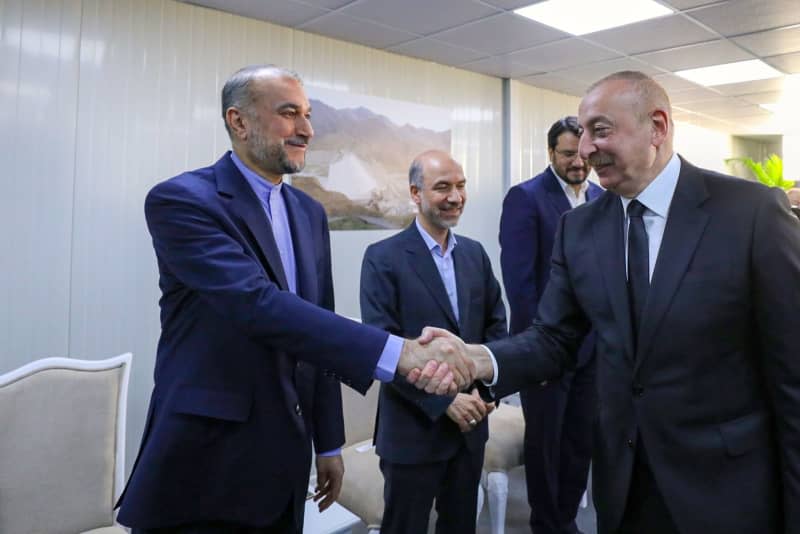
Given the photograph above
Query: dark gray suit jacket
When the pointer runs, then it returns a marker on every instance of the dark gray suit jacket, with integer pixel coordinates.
(402, 292)
(712, 387)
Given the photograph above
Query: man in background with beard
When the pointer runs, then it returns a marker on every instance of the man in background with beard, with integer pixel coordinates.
(250, 356)
(558, 413)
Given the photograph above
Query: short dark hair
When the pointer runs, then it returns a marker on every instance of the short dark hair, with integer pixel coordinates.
(566, 124)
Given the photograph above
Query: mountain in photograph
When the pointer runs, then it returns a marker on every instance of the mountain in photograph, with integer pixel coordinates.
(357, 166)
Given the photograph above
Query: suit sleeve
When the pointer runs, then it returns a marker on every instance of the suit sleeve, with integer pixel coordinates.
(328, 418)
(548, 347)
(192, 244)
(518, 257)
(776, 268)
(380, 307)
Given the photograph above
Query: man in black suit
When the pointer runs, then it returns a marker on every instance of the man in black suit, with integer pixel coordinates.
(431, 447)
(698, 375)
(558, 413)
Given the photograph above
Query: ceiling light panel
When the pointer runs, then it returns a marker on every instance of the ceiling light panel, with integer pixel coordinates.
(736, 72)
(580, 17)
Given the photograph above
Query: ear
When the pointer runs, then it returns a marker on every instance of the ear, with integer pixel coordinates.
(551, 154)
(237, 123)
(661, 125)
(414, 190)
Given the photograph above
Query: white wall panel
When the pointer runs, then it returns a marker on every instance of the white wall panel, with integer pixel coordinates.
(38, 91)
(533, 111)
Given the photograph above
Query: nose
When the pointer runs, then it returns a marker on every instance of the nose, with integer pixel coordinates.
(585, 146)
(455, 196)
(304, 127)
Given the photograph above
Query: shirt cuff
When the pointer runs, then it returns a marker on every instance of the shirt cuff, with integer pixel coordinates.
(387, 363)
(334, 452)
(494, 368)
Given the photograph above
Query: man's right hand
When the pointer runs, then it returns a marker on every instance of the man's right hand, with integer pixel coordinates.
(467, 410)
(440, 366)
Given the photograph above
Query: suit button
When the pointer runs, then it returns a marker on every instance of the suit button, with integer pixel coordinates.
(638, 390)
(298, 410)
(630, 443)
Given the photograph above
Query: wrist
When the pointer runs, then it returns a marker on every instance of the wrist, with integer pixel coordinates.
(483, 363)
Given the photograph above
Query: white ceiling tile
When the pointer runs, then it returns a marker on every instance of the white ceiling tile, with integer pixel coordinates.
(788, 63)
(699, 55)
(328, 4)
(561, 55)
(363, 32)
(511, 4)
(501, 34)
(745, 16)
(650, 35)
(592, 72)
(692, 95)
(767, 97)
(500, 66)
(725, 108)
(420, 16)
(433, 50)
(687, 4)
(283, 12)
(671, 83)
(556, 83)
(746, 88)
(772, 43)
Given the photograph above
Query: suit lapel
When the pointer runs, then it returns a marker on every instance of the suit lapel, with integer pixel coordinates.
(610, 253)
(245, 205)
(685, 225)
(302, 242)
(423, 265)
(555, 194)
(461, 266)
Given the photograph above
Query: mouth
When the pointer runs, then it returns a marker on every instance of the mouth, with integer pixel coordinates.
(297, 143)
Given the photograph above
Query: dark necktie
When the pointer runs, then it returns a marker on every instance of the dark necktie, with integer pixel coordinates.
(638, 263)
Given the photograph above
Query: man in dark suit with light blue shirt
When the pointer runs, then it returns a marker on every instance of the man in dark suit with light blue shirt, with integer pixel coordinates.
(250, 351)
(558, 413)
(431, 447)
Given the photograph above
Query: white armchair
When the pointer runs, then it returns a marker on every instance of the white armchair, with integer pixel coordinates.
(62, 454)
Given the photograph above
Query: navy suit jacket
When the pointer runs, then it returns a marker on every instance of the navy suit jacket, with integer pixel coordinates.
(712, 386)
(234, 404)
(402, 292)
(531, 211)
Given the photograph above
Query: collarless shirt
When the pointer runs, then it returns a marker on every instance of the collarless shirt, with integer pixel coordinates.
(575, 199)
(656, 198)
(271, 199)
(444, 263)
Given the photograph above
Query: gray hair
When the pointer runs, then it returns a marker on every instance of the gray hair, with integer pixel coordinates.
(236, 91)
(415, 174)
(649, 90)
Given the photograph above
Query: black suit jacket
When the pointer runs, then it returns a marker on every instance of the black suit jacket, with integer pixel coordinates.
(713, 386)
(402, 292)
(234, 405)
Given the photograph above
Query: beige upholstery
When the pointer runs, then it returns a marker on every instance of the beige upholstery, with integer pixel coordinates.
(59, 453)
(106, 530)
(362, 489)
(504, 450)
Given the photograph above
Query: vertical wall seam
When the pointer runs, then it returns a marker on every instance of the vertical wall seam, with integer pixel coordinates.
(506, 133)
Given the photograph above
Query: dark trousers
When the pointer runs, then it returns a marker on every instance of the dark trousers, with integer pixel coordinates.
(558, 448)
(645, 510)
(410, 489)
(285, 524)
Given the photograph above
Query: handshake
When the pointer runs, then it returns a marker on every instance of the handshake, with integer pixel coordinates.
(440, 362)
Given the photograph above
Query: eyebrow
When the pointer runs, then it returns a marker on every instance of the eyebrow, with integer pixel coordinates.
(290, 105)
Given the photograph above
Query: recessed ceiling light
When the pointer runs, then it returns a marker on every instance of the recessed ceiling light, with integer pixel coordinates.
(580, 17)
(739, 71)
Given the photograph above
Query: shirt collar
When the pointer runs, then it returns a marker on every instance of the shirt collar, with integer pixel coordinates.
(657, 196)
(568, 187)
(431, 243)
(261, 187)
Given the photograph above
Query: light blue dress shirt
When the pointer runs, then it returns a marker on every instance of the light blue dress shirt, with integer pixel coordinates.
(444, 263)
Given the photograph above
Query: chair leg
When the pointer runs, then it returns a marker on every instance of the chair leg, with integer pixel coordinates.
(585, 500)
(497, 489)
(480, 501)
(374, 531)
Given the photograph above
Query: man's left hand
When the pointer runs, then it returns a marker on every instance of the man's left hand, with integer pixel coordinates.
(330, 472)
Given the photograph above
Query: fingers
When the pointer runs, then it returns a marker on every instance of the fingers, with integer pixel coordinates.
(438, 378)
(429, 333)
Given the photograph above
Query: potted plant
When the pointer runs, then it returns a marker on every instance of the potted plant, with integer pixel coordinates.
(769, 172)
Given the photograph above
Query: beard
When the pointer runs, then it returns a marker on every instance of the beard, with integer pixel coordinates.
(575, 181)
(272, 157)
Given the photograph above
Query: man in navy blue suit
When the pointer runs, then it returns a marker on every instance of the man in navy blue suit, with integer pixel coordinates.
(558, 413)
(250, 354)
(431, 447)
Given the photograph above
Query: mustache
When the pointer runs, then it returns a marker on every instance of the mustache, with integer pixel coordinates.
(298, 139)
(598, 159)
